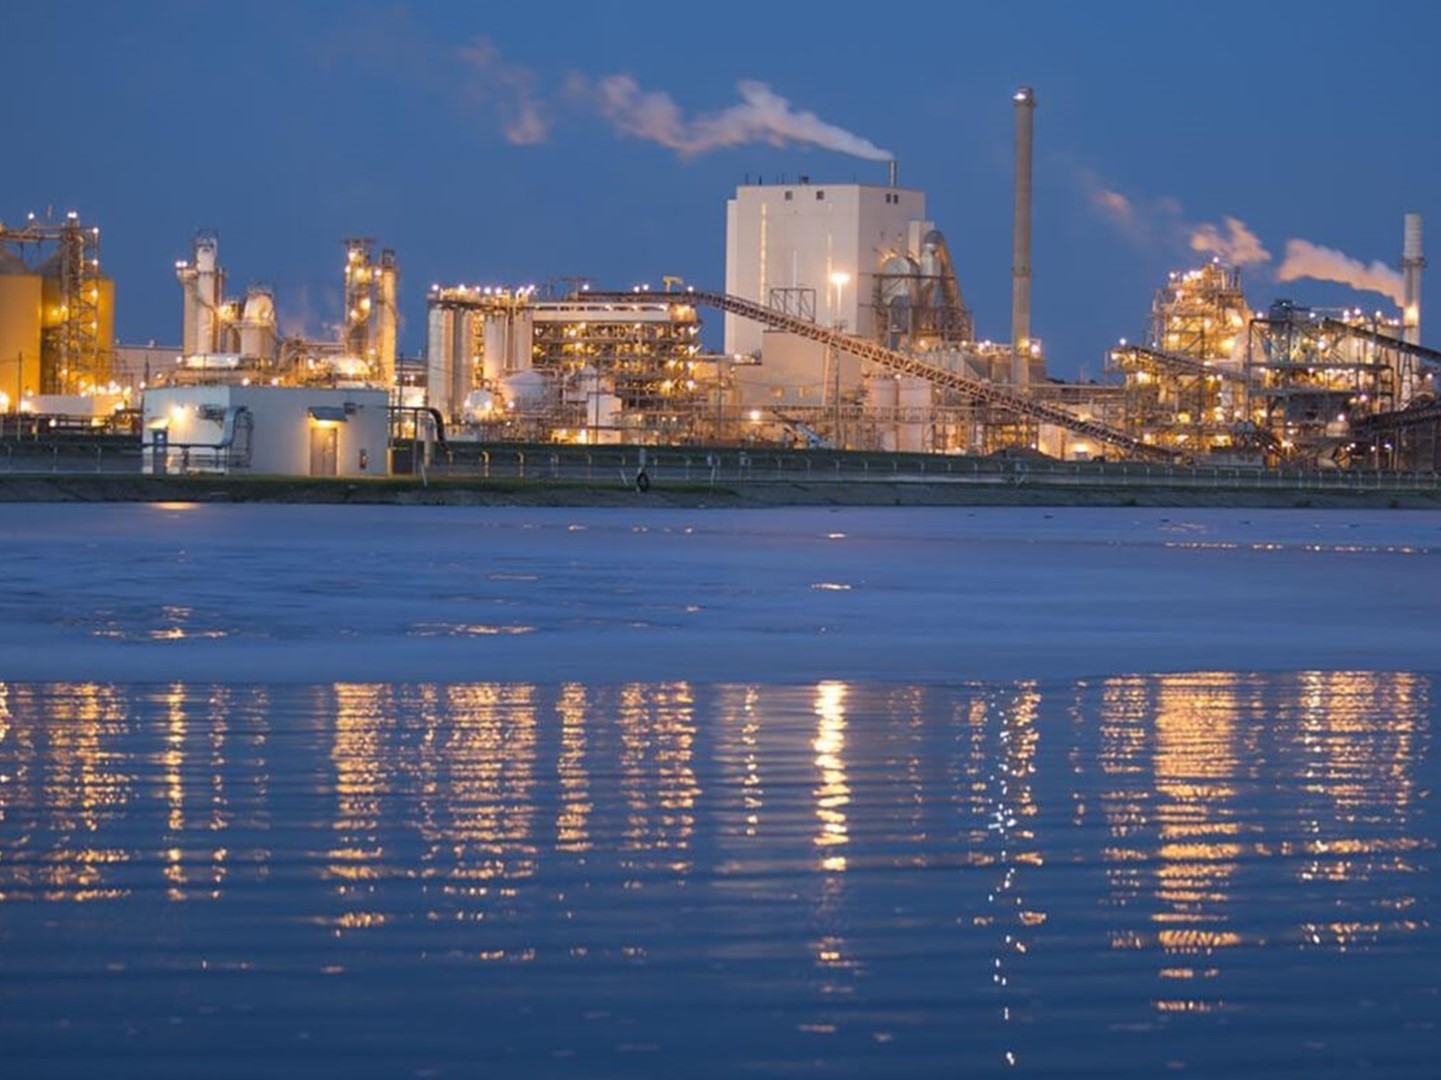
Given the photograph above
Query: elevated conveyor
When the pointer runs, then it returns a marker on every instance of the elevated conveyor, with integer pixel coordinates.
(1429, 358)
(1184, 365)
(901, 363)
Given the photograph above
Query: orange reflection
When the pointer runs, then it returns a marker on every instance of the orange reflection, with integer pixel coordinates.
(572, 823)
(833, 794)
(1338, 748)
(66, 772)
(657, 774)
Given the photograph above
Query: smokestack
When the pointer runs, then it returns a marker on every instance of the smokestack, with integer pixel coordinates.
(1025, 102)
(893, 173)
(1412, 263)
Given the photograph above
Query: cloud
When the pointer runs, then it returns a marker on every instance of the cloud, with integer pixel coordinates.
(1236, 246)
(1307, 260)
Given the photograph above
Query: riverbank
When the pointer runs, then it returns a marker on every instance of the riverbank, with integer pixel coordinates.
(411, 491)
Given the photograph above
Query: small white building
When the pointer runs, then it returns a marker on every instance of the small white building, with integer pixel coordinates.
(282, 431)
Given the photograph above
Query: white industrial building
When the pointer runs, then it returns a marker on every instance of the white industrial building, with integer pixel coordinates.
(860, 258)
(270, 430)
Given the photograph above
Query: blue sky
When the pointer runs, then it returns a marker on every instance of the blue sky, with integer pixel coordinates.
(288, 126)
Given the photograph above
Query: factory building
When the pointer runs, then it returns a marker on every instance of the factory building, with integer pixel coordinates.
(510, 365)
(283, 431)
(240, 396)
(57, 315)
(854, 257)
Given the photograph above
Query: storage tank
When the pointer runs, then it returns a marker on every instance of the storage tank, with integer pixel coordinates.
(257, 324)
(881, 403)
(913, 403)
(527, 391)
(20, 299)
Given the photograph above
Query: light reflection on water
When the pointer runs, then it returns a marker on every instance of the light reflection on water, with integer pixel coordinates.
(834, 878)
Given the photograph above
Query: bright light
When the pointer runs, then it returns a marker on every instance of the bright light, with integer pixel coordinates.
(840, 279)
(177, 413)
(755, 416)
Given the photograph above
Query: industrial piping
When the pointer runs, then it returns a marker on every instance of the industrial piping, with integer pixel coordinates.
(1025, 102)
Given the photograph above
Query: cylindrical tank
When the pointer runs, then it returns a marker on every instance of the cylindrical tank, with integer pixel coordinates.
(257, 325)
(527, 391)
(387, 317)
(20, 299)
(881, 402)
(496, 343)
(480, 405)
(522, 341)
(913, 403)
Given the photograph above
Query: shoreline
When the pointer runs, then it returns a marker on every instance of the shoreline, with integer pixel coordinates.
(756, 494)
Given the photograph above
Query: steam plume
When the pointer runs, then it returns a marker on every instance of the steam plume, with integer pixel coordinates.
(524, 117)
(761, 116)
(1307, 260)
(1236, 246)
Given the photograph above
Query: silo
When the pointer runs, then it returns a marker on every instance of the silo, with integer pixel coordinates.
(913, 404)
(257, 324)
(20, 299)
(881, 397)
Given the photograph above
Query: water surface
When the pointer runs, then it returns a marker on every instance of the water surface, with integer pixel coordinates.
(1221, 873)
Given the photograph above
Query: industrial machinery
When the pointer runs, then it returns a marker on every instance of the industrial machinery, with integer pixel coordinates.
(573, 369)
(57, 310)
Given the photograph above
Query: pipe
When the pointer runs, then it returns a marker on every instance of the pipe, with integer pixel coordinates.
(1412, 263)
(892, 173)
(1025, 102)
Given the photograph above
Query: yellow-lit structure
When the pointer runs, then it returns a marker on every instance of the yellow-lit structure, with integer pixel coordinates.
(1184, 386)
(57, 310)
(1290, 385)
(571, 370)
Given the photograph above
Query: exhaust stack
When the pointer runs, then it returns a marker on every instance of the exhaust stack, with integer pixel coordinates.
(1412, 263)
(892, 173)
(1025, 102)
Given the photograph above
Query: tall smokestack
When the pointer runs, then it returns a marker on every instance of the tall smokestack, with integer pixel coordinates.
(892, 175)
(1025, 102)
(1412, 263)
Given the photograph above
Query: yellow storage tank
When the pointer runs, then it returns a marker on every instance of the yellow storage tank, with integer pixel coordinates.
(20, 301)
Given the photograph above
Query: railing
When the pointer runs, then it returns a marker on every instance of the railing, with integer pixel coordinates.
(68, 457)
(680, 467)
(665, 466)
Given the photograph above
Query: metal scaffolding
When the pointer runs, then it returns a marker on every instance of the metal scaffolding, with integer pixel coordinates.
(74, 352)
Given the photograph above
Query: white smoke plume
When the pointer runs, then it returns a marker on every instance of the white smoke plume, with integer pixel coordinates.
(761, 116)
(1236, 246)
(1307, 260)
(524, 117)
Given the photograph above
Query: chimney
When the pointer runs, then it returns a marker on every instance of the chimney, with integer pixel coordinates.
(892, 176)
(1412, 263)
(1025, 102)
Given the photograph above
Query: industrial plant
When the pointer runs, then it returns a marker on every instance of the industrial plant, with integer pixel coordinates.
(845, 327)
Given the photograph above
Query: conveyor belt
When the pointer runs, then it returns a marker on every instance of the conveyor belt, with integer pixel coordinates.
(902, 363)
(1188, 364)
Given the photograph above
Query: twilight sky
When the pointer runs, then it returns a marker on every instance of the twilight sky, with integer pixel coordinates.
(504, 143)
